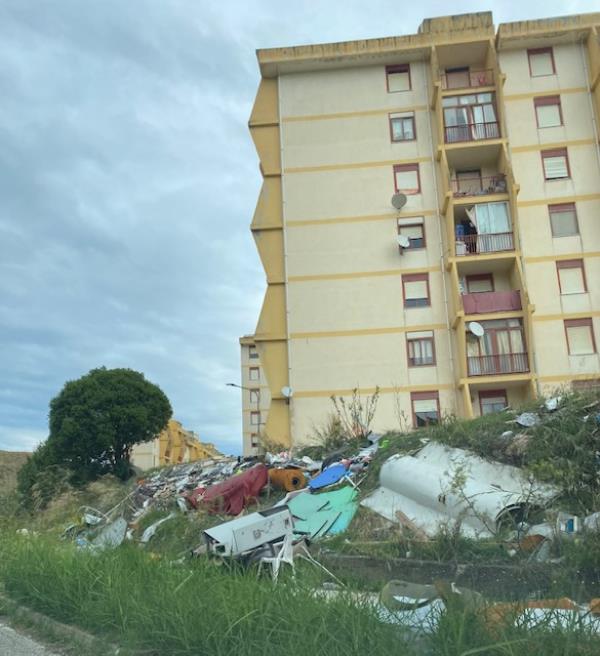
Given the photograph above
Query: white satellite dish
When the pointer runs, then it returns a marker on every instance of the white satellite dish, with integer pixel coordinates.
(399, 200)
(403, 241)
(476, 329)
(287, 392)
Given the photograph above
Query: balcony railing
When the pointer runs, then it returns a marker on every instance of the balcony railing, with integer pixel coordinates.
(488, 243)
(489, 302)
(467, 79)
(478, 186)
(492, 365)
(471, 132)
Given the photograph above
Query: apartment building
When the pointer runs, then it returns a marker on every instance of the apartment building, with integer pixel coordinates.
(483, 288)
(256, 397)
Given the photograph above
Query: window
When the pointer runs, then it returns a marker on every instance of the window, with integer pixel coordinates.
(469, 183)
(556, 164)
(415, 288)
(580, 336)
(398, 78)
(481, 282)
(571, 276)
(425, 408)
(415, 233)
(492, 401)
(458, 78)
(255, 418)
(254, 373)
(402, 126)
(541, 62)
(254, 440)
(407, 179)
(563, 220)
(501, 350)
(548, 112)
(252, 352)
(420, 349)
(470, 117)
(255, 396)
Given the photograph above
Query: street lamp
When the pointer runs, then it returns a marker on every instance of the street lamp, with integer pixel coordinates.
(249, 389)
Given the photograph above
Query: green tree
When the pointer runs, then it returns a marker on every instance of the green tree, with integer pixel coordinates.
(95, 421)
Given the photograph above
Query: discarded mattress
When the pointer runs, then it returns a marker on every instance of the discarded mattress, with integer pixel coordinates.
(232, 495)
(318, 515)
(417, 491)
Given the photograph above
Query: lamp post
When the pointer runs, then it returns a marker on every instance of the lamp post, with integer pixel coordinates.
(250, 390)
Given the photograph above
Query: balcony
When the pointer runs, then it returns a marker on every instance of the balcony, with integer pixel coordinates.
(478, 186)
(471, 132)
(497, 364)
(486, 243)
(489, 302)
(466, 79)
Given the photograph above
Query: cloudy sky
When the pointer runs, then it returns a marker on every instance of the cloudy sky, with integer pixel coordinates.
(127, 183)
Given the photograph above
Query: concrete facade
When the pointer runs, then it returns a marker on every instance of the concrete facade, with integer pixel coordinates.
(493, 138)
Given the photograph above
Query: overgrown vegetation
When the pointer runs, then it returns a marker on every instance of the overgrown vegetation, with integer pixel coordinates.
(93, 424)
(150, 604)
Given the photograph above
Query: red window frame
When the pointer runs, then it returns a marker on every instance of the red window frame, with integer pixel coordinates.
(416, 277)
(424, 396)
(250, 370)
(255, 413)
(414, 225)
(402, 118)
(577, 323)
(410, 360)
(397, 68)
(479, 276)
(541, 51)
(545, 101)
(490, 394)
(563, 207)
(556, 152)
(399, 168)
(571, 264)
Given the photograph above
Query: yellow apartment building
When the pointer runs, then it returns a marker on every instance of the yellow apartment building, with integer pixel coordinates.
(174, 445)
(429, 220)
(256, 397)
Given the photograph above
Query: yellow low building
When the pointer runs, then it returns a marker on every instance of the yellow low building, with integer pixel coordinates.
(174, 445)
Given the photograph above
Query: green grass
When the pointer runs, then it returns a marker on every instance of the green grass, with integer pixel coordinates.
(133, 598)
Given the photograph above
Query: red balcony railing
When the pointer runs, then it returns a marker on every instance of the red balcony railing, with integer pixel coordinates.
(467, 79)
(492, 365)
(488, 302)
(471, 132)
(478, 186)
(488, 243)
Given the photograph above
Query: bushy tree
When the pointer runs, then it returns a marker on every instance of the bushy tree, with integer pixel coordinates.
(95, 421)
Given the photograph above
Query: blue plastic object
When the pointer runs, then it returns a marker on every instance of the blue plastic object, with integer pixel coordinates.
(330, 476)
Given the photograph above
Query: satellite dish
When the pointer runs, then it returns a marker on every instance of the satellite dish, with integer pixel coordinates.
(403, 241)
(399, 200)
(287, 392)
(476, 329)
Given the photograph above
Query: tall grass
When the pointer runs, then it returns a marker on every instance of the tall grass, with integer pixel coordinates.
(144, 603)
(148, 604)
